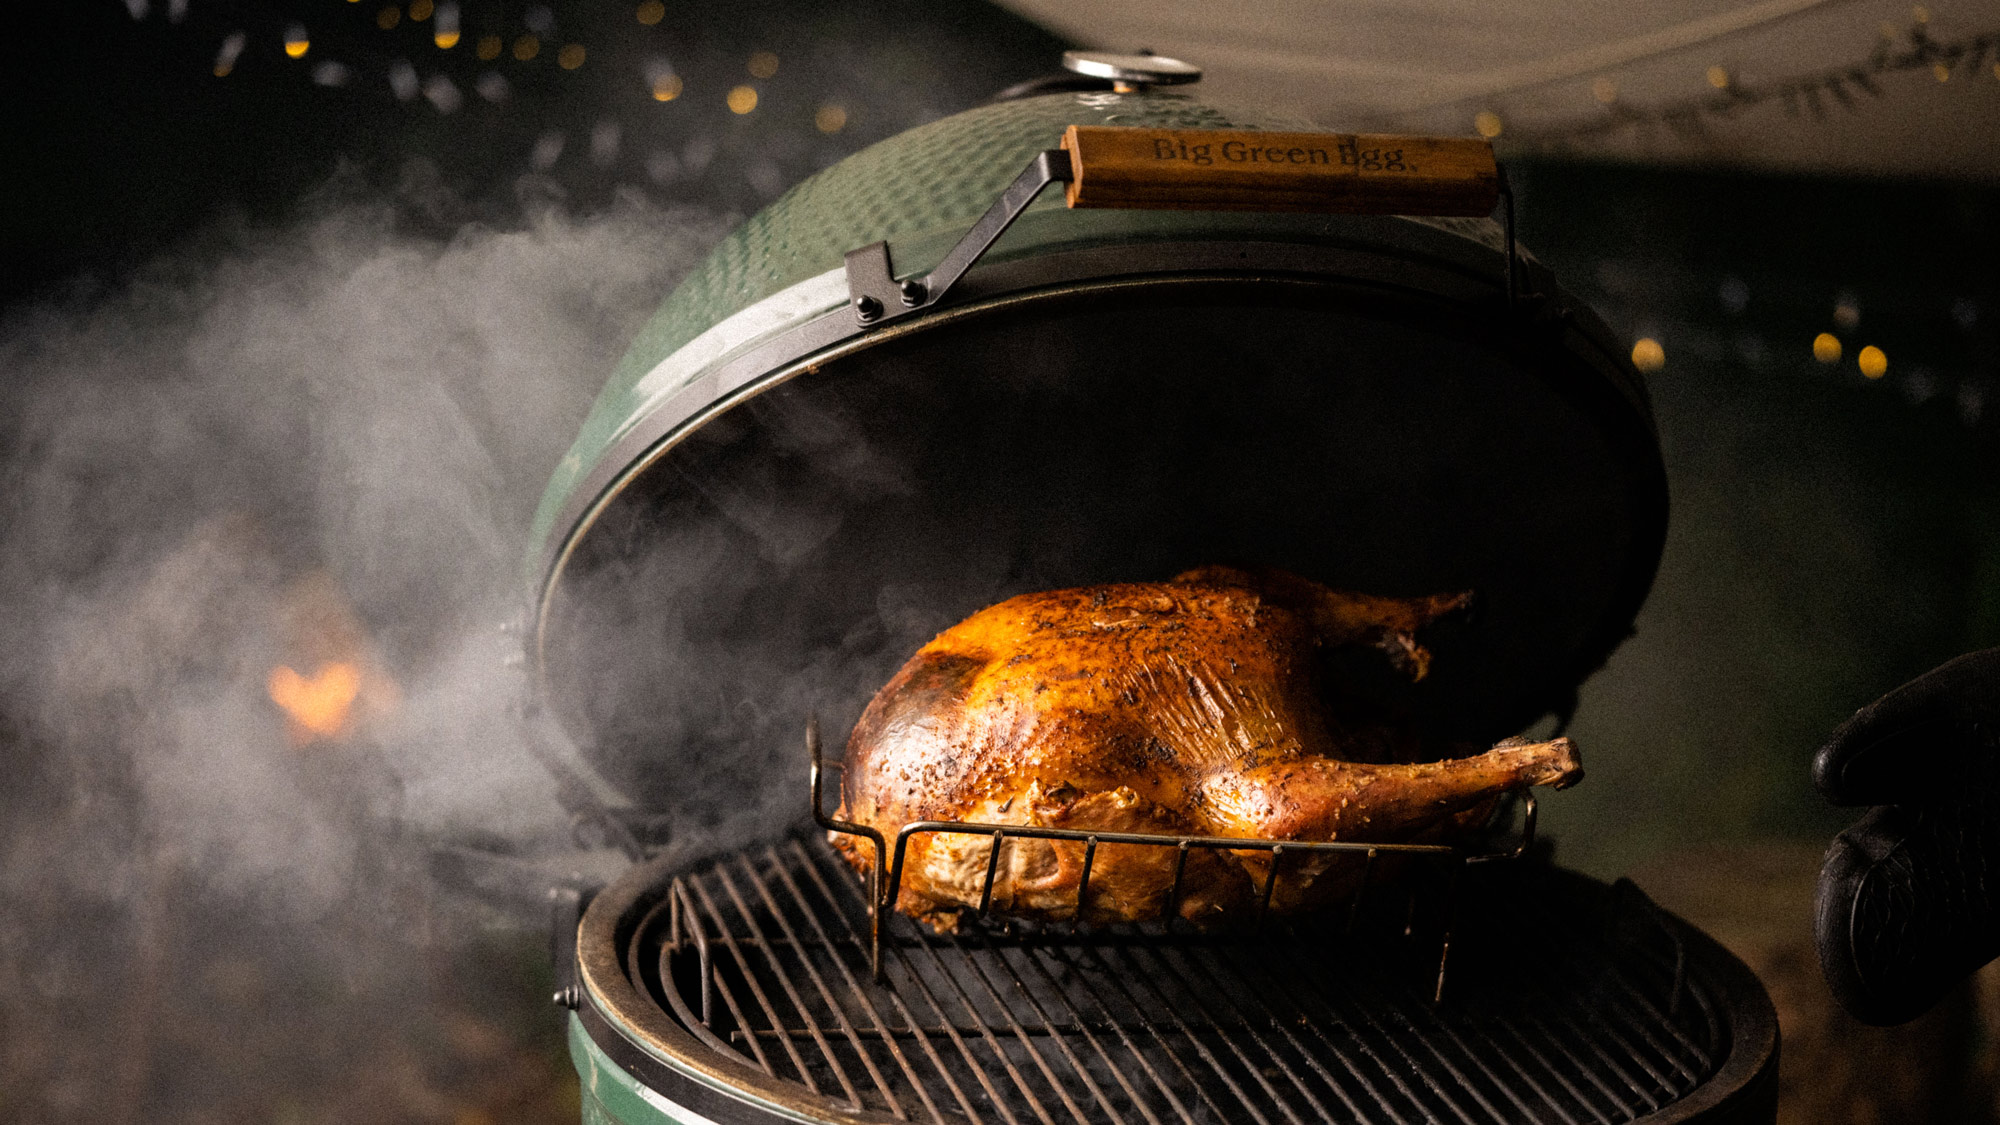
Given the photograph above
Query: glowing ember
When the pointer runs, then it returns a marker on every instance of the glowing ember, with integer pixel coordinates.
(344, 688)
(318, 707)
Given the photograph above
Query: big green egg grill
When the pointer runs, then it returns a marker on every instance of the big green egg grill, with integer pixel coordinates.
(1074, 337)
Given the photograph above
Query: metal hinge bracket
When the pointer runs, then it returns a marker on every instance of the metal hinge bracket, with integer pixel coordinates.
(876, 297)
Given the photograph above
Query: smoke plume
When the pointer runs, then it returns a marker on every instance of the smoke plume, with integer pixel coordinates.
(293, 463)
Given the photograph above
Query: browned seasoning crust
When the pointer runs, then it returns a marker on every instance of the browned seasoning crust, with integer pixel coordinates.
(1189, 706)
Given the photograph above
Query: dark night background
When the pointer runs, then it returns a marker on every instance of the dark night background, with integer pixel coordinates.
(1833, 535)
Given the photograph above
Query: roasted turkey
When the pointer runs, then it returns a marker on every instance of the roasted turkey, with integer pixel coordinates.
(1205, 705)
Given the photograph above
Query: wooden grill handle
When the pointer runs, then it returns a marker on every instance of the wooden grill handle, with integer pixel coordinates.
(1241, 170)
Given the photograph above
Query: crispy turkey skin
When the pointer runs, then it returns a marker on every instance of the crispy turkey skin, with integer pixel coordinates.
(1191, 706)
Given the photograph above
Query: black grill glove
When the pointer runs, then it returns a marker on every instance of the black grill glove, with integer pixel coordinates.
(1909, 898)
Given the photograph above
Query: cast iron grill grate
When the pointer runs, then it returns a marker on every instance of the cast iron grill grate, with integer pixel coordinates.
(1570, 1003)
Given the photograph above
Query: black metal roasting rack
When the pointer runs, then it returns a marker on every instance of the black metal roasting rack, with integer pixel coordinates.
(886, 878)
(765, 957)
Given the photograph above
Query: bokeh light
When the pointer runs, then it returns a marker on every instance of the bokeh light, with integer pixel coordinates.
(570, 57)
(1648, 355)
(1826, 348)
(666, 87)
(742, 99)
(831, 118)
(1718, 77)
(527, 47)
(1604, 90)
(763, 64)
(225, 57)
(489, 47)
(1487, 122)
(296, 43)
(388, 17)
(652, 12)
(420, 10)
(1874, 362)
(445, 35)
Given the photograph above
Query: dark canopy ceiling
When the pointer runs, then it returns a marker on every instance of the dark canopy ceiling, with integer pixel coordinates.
(1844, 86)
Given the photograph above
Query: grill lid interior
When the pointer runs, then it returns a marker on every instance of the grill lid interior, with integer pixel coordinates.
(790, 552)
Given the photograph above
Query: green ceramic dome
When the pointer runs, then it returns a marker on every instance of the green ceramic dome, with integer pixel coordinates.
(919, 191)
(771, 504)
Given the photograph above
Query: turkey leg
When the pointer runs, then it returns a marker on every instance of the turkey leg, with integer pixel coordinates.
(1324, 799)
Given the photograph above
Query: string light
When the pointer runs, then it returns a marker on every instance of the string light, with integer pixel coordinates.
(742, 99)
(548, 149)
(661, 81)
(1826, 348)
(831, 118)
(402, 80)
(652, 12)
(570, 57)
(1734, 294)
(1730, 97)
(1487, 123)
(225, 59)
(763, 64)
(445, 35)
(296, 43)
(1648, 355)
(1874, 362)
(605, 138)
(443, 94)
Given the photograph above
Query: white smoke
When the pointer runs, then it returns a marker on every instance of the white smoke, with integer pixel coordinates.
(333, 406)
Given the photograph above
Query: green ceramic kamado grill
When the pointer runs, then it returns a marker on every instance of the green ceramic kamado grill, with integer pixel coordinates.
(1103, 332)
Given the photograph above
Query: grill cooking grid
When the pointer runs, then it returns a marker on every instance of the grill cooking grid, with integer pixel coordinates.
(1570, 1003)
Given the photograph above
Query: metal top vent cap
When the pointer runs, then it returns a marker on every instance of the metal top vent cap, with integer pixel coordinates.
(1132, 72)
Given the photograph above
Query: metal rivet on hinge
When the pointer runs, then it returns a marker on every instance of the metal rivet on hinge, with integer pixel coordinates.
(867, 308)
(914, 292)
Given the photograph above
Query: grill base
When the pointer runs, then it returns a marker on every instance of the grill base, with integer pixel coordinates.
(741, 991)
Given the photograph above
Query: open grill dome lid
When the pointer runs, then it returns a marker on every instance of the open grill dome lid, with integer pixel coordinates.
(772, 503)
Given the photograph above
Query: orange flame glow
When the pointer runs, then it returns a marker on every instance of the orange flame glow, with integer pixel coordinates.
(318, 706)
